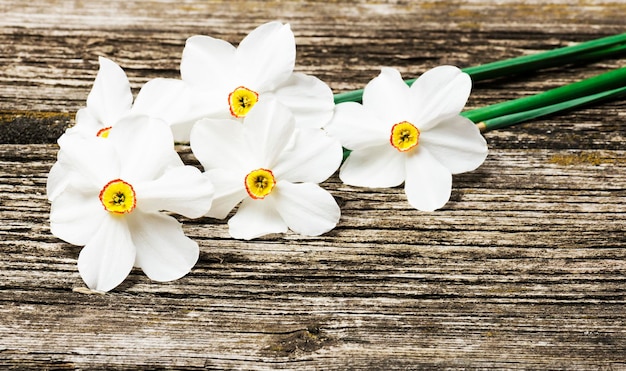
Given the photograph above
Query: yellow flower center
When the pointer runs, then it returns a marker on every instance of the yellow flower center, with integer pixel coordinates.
(118, 197)
(259, 183)
(404, 136)
(104, 132)
(241, 101)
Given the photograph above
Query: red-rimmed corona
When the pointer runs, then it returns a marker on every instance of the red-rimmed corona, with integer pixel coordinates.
(241, 100)
(260, 183)
(404, 136)
(118, 197)
(104, 132)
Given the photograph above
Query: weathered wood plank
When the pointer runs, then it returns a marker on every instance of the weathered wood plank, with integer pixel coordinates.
(50, 52)
(525, 267)
(537, 282)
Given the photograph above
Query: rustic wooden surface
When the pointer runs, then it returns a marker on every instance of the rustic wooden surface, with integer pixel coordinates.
(524, 268)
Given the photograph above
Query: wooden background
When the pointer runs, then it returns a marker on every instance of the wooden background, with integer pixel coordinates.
(524, 267)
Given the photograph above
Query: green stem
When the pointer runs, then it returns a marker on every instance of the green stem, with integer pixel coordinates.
(555, 57)
(591, 50)
(519, 117)
(606, 81)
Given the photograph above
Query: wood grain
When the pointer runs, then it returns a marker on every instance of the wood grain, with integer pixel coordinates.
(524, 268)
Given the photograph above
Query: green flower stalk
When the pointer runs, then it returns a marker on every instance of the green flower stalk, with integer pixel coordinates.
(610, 46)
(598, 84)
(519, 117)
(586, 51)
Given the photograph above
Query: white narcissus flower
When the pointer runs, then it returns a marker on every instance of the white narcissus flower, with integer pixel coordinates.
(271, 169)
(219, 80)
(411, 134)
(111, 200)
(109, 100)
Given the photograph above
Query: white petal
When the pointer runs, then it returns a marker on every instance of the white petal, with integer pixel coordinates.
(207, 61)
(269, 128)
(357, 128)
(181, 131)
(179, 104)
(164, 253)
(182, 190)
(267, 56)
(256, 218)
(75, 215)
(156, 96)
(428, 183)
(86, 124)
(58, 179)
(61, 176)
(439, 93)
(229, 191)
(202, 103)
(309, 99)
(375, 167)
(456, 143)
(306, 208)
(220, 144)
(387, 97)
(145, 147)
(108, 257)
(111, 97)
(313, 157)
(95, 159)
